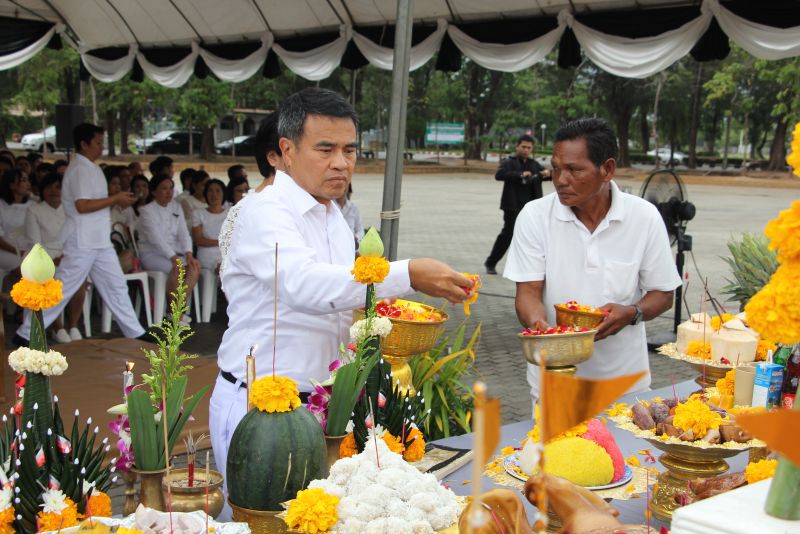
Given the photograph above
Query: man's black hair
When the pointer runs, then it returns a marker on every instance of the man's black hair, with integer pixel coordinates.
(84, 133)
(233, 184)
(186, 176)
(197, 178)
(311, 101)
(266, 141)
(233, 170)
(112, 171)
(156, 180)
(601, 141)
(525, 137)
(48, 180)
(158, 165)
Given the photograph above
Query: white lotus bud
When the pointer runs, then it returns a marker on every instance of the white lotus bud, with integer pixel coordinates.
(38, 266)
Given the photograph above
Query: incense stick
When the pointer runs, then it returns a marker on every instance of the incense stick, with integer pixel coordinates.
(374, 435)
(275, 312)
(208, 483)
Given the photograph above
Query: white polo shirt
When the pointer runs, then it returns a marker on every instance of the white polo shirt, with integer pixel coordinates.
(83, 179)
(627, 255)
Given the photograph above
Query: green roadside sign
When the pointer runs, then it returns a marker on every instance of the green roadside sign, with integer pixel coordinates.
(444, 133)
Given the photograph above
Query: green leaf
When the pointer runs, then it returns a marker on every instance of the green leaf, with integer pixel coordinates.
(143, 432)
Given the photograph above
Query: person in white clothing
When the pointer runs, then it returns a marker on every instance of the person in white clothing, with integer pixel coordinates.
(207, 224)
(119, 215)
(195, 200)
(164, 241)
(87, 242)
(351, 214)
(316, 290)
(15, 193)
(43, 223)
(186, 184)
(592, 243)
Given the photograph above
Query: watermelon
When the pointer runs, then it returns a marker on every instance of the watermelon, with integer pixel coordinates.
(272, 456)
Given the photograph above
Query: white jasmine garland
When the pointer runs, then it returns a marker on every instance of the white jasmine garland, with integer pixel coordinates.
(26, 360)
(377, 326)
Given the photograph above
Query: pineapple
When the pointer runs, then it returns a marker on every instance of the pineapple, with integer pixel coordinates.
(752, 264)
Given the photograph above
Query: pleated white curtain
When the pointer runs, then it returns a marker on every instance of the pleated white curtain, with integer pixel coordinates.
(764, 42)
(383, 57)
(19, 57)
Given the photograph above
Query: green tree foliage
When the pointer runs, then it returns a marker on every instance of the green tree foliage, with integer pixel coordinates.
(201, 103)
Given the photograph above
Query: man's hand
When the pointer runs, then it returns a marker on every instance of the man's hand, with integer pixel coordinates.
(619, 316)
(124, 199)
(526, 174)
(540, 325)
(545, 173)
(437, 279)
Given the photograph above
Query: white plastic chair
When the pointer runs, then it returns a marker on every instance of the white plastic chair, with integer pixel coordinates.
(141, 278)
(160, 296)
(208, 293)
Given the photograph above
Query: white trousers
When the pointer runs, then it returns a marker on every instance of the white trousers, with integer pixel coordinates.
(8, 261)
(103, 266)
(228, 405)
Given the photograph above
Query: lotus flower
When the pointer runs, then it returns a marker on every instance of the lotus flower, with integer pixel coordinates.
(37, 265)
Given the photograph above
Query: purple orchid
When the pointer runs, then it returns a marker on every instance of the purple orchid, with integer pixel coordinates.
(334, 365)
(318, 403)
(121, 427)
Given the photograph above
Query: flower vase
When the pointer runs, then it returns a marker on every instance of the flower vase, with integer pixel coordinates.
(332, 444)
(150, 494)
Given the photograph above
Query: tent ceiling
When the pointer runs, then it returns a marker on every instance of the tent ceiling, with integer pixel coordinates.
(105, 23)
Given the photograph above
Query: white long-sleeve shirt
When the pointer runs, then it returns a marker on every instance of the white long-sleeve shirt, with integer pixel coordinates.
(43, 225)
(162, 229)
(316, 290)
(12, 220)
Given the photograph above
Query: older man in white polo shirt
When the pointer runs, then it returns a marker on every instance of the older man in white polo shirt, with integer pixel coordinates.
(593, 243)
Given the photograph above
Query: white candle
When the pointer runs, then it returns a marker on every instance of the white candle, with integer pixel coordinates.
(127, 379)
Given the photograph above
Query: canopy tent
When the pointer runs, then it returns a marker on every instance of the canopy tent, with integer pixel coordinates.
(170, 40)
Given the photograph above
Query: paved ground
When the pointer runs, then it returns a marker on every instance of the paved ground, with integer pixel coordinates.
(455, 218)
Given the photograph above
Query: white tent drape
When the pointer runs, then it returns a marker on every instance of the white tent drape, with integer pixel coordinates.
(19, 57)
(765, 42)
(319, 63)
(383, 57)
(506, 57)
(237, 70)
(637, 58)
(622, 56)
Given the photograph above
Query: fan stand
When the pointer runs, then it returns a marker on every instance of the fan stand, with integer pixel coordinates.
(656, 339)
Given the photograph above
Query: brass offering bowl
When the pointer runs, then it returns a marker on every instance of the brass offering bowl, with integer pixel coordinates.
(684, 463)
(560, 352)
(407, 339)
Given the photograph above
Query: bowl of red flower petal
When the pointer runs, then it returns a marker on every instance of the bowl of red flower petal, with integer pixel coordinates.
(573, 314)
(559, 346)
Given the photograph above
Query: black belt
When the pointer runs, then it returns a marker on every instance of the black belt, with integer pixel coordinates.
(232, 379)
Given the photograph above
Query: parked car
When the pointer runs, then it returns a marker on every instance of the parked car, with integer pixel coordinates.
(245, 145)
(170, 142)
(36, 141)
(678, 158)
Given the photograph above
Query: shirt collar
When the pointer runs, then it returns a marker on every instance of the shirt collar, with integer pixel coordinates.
(301, 198)
(615, 213)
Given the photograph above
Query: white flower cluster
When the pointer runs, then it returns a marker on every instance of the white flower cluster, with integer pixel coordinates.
(380, 326)
(25, 360)
(394, 499)
(53, 501)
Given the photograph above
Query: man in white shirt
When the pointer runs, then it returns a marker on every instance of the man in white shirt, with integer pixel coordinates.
(316, 251)
(592, 243)
(87, 241)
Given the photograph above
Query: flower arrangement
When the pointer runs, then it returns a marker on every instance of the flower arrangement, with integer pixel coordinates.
(725, 385)
(760, 470)
(408, 311)
(575, 306)
(43, 465)
(695, 415)
(275, 394)
(312, 511)
(374, 327)
(699, 349)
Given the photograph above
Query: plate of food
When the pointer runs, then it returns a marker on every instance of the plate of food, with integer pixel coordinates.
(512, 466)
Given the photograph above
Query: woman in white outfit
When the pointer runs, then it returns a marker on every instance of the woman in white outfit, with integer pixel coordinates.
(195, 201)
(119, 215)
(43, 223)
(207, 224)
(164, 241)
(15, 190)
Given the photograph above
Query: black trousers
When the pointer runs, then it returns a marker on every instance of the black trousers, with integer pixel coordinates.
(503, 240)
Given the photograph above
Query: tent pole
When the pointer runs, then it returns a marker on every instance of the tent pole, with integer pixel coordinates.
(393, 173)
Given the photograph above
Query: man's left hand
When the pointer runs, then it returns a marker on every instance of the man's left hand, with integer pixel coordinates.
(619, 316)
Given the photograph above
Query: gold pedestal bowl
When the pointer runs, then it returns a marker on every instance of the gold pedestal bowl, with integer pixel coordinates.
(684, 463)
(408, 338)
(560, 352)
(708, 378)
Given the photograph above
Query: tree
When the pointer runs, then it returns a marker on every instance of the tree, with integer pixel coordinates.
(126, 101)
(200, 104)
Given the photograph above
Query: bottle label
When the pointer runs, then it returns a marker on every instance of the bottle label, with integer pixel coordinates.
(788, 400)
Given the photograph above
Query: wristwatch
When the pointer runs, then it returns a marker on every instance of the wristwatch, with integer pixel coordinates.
(637, 318)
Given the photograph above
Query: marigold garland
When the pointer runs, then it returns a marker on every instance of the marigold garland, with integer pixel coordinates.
(347, 447)
(774, 312)
(312, 511)
(793, 158)
(36, 296)
(718, 320)
(698, 349)
(416, 450)
(782, 232)
(275, 394)
(725, 385)
(393, 443)
(763, 348)
(695, 415)
(7, 520)
(761, 470)
(68, 517)
(370, 270)
(99, 505)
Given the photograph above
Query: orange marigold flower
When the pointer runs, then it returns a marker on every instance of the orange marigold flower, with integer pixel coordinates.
(275, 394)
(58, 521)
(761, 470)
(393, 443)
(783, 232)
(7, 520)
(347, 447)
(36, 296)
(370, 270)
(416, 450)
(99, 505)
(774, 312)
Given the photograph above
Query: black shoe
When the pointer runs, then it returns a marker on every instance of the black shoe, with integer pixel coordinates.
(490, 269)
(147, 337)
(20, 341)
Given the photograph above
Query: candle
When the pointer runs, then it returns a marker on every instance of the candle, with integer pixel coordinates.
(127, 379)
(250, 372)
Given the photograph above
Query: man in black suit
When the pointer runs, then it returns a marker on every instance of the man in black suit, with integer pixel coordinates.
(522, 177)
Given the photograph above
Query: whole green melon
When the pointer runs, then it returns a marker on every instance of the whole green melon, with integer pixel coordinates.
(272, 456)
